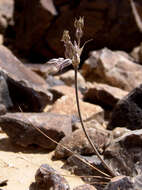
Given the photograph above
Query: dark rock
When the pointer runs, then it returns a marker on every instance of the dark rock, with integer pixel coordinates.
(78, 143)
(48, 178)
(113, 68)
(121, 183)
(128, 111)
(103, 94)
(89, 173)
(36, 21)
(78, 167)
(85, 187)
(5, 100)
(104, 22)
(125, 152)
(27, 90)
(21, 128)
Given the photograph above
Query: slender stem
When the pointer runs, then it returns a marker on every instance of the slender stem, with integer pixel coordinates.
(83, 127)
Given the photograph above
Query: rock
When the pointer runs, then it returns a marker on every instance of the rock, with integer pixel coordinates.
(85, 187)
(97, 122)
(105, 23)
(21, 128)
(36, 21)
(6, 14)
(5, 100)
(113, 68)
(120, 182)
(125, 152)
(68, 79)
(48, 178)
(128, 111)
(59, 91)
(43, 69)
(78, 143)
(27, 90)
(63, 90)
(54, 81)
(69, 107)
(103, 94)
(86, 167)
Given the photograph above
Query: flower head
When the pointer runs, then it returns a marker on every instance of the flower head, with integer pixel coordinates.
(73, 51)
(79, 25)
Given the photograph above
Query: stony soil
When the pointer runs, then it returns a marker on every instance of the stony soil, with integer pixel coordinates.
(19, 165)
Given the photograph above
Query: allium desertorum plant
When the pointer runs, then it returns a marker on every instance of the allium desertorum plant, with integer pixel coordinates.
(72, 56)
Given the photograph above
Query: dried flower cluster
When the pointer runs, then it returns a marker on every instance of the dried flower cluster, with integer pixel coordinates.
(72, 50)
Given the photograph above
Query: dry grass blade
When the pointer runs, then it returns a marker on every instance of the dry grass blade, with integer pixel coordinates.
(77, 156)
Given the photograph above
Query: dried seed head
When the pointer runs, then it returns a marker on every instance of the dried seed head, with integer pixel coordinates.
(79, 24)
(73, 51)
(66, 36)
(69, 48)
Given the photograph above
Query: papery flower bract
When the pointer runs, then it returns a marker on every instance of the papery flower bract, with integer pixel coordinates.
(79, 24)
(60, 63)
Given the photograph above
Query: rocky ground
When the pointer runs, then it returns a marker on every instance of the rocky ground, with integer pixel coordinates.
(18, 165)
(42, 144)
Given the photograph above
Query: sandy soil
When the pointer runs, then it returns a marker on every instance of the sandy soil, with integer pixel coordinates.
(18, 165)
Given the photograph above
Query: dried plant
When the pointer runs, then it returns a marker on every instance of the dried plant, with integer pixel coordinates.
(72, 56)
